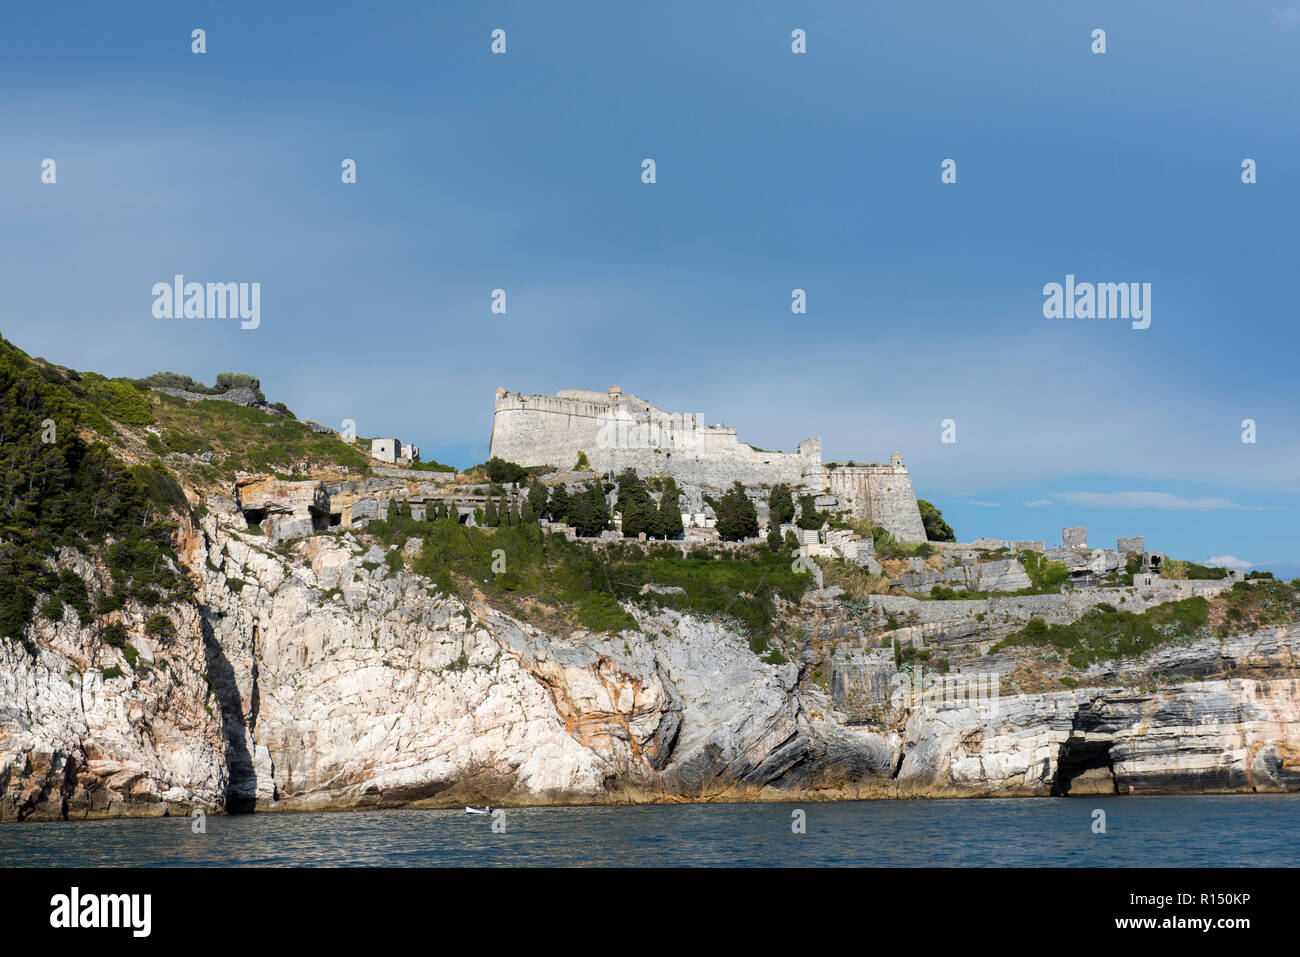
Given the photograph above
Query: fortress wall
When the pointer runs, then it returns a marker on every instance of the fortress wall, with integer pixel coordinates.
(536, 435)
(893, 504)
(718, 470)
(881, 493)
(628, 432)
(622, 431)
(849, 485)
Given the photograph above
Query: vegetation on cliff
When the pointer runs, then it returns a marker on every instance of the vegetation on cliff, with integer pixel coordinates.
(936, 529)
(223, 438)
(542, 577)
(59, 489)
(1106, 633)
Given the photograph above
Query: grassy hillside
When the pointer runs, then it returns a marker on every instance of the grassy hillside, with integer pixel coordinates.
(241, 439)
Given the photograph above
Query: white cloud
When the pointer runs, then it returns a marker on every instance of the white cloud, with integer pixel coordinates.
(1288, 16)
(1160, 500)
(986, 504)
(1038, 503)
(1228, 561)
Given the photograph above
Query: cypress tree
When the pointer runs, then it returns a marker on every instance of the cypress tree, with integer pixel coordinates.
(558, 506)
(809, 517)
(536, 500)
(780, 505)
(634, 502)
(737, 517)
(668, 519)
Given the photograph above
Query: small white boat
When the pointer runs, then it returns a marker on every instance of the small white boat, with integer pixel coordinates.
(474, 810)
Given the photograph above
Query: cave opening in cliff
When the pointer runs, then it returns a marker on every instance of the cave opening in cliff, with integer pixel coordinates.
(1084, 767)
(336, 519)
(254, 516)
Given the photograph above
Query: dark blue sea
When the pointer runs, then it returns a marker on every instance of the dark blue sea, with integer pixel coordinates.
(1190, 831)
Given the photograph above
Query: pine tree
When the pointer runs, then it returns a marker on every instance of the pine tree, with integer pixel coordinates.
(490, 517)
(936, 529)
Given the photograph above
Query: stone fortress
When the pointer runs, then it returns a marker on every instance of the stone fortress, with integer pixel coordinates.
(615, 431)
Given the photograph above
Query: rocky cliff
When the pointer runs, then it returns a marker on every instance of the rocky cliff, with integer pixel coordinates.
(324, 674)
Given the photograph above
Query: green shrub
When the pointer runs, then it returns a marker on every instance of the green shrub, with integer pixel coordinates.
(1104, 633)
(1045, 577)
(119, 401)
(108, 602)
(887, 546)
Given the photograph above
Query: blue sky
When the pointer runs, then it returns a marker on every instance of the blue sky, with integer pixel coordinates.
(775, 172)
